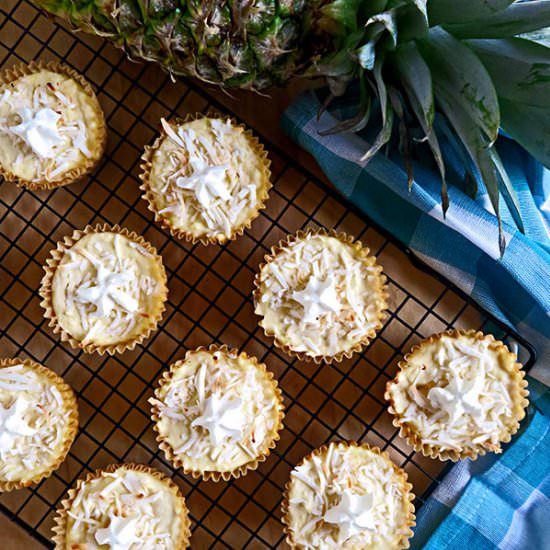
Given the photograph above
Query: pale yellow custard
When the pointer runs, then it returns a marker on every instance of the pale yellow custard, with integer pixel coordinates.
(38, 422)
(107, 289)
(127, 507)
(348, 497)
(49, 126)
(217, 410)
(458, 394)
(320, 295)
(207, 178)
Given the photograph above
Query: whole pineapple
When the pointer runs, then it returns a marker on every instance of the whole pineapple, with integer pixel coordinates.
(471, 61)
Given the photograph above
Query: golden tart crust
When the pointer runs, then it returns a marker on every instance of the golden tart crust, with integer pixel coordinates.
(458, 394)
(52, 128)
(104, 289)
(122, 505)
(205, 178)
(217, 413)
(348, 496)
(320, 295)
(38, 422)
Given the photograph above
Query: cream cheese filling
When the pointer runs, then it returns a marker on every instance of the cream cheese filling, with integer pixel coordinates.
(33, 423)
(455, 393)
(218, 411)
(319, 296)
(347, 497)
(207, 178)
(48, 126)
(106, 288)
(124, 510)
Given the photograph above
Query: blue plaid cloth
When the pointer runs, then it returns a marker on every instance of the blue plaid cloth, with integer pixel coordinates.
(498, 501)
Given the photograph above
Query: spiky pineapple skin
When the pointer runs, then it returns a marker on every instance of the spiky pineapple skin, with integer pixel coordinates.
(235, 43)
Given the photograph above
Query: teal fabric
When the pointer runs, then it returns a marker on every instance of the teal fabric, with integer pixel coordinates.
(498, 501)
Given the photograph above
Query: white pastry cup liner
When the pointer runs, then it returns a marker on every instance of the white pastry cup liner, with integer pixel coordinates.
(286, 507)
(60, 519)
(71, 411)
(181, 233)
(381, 297)
(52, 263)
(178, 461)
(520, 403)
(88, 164)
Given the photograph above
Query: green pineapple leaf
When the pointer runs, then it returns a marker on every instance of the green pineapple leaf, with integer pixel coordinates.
(478, 149)
(507, 190)
(519, 68)
(517, 19)
(356, 123)
(387, 113)
(416, 80)
(462, 76)
(463, 11)
(343, 12)
(414, 75)
(528, 125)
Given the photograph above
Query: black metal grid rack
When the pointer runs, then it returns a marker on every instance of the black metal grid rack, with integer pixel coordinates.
(209, 301)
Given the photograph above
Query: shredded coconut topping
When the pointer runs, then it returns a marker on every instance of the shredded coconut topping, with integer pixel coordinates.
(206, 177)
(319, 296)
(32, 423)
(108, 283)
(124, 510)
(347, 497)
(218, 411)
(47, 134)
(455, 394)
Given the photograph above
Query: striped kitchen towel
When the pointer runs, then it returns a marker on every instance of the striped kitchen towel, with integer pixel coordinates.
(498, 501)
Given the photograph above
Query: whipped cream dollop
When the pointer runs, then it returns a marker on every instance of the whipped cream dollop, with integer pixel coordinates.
(222, 417)
(454, 393)
(352, 515)
(347, 497)
(217, 411)
(318, 298)
(120, 534)
(123, 510)
(39, 130)
(32, 422)
(320, 295)
(206, 177)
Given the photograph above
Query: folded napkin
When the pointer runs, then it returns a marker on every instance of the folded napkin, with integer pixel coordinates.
(497, 501)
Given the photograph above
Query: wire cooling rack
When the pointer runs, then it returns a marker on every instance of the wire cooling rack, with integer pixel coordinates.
(209, 301)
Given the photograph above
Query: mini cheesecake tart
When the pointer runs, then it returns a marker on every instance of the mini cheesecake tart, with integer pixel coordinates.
(124, 507)
(104, 289)
(52, 128)
(320, 295)
(457, 395)
(348, 496)
(205, 178)
(218, 413)
(38, 422)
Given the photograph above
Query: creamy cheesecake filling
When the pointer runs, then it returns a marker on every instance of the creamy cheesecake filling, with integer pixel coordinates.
(33, 423)
(320, 295)
(107, 288)
(347, 497)
(218, 411)
(207, 178)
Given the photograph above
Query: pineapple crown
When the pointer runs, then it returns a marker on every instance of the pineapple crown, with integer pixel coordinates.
(459, 69)
(480, 64)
